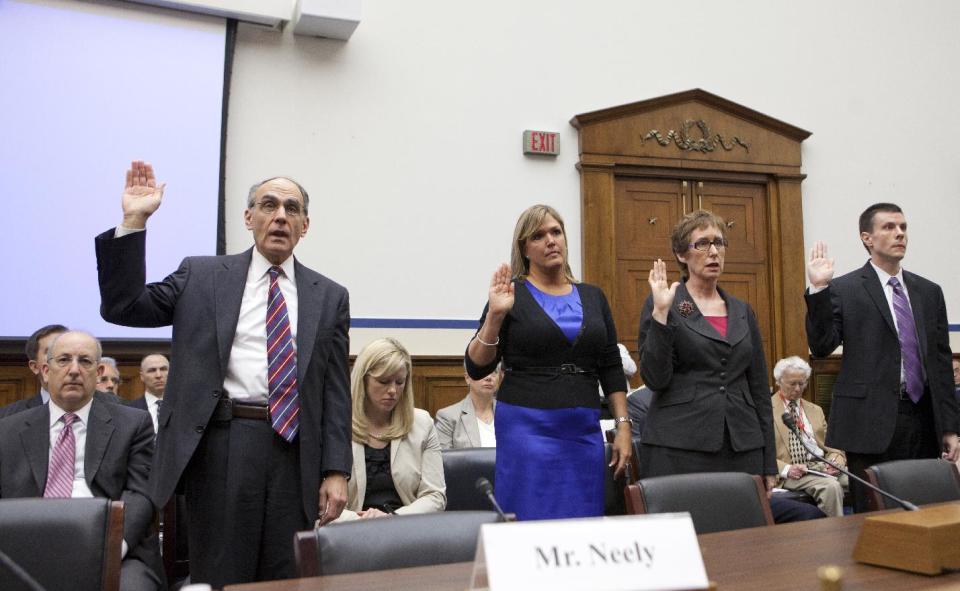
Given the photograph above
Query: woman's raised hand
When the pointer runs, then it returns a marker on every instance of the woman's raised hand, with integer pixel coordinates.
(663, 291)
(500, 296)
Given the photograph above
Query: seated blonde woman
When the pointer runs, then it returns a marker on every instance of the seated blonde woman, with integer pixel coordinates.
(397, 467)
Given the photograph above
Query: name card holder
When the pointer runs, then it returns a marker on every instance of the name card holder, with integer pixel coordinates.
(631, 552)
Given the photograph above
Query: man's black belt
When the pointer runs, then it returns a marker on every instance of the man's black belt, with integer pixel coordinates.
(228, 409)
(565, 369)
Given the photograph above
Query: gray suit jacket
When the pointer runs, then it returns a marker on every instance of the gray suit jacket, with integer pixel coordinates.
(853, 312)
(457, 425)
(202, 300)
(117, 456)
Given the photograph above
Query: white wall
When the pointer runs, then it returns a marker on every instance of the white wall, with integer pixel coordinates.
(408, 136)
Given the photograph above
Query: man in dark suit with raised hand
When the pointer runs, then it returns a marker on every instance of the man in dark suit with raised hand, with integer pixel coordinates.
(255, 422)
(893, 398)
(79, 446)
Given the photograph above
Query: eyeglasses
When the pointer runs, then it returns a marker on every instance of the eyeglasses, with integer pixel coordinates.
(703, 245)
(63, 361)
(270, 207)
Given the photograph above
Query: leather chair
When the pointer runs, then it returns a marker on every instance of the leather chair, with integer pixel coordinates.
(461, 469)
(62, 543)
(399, 541)
(919, 481)
(176, 561)
(717, 501)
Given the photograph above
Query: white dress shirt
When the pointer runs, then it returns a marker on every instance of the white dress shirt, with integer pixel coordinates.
(488, 435)
(153, 407)
(80, 488)
(246, 378)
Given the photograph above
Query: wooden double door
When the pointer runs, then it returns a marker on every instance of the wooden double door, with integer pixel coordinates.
(645, 211)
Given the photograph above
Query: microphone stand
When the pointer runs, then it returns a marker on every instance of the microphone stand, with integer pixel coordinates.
(791, 424)
(486, 489)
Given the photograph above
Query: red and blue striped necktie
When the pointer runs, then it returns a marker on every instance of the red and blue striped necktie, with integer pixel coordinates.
(281, 364)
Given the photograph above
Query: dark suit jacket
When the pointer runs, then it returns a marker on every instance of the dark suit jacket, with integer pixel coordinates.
(140, 403)
(701, 380)
(37, 400)
(202, 302)
(853, 312)
(638, 404)
(117, 456)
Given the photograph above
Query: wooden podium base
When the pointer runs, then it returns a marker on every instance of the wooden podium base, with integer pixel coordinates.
(923, 541)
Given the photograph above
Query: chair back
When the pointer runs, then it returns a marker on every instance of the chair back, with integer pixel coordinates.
(717, 501)
(62, 543)
(461, 469)
(400, 541)
(919, 481)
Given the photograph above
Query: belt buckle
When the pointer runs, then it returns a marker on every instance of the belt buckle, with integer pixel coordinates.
(568, 368)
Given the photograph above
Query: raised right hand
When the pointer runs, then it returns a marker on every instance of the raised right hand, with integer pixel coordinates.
(663, 292)
(819, 267)
(141, 195)
(500, 295)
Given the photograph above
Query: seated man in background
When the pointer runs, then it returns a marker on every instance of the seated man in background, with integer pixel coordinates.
(798, 469)
(154, 369)
(469, 423)
(109, 376)
(79, 446)
(638, 403)
(36, 351)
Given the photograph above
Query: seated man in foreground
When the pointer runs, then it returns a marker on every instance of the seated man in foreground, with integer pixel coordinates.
(799, 470)
(78, 446)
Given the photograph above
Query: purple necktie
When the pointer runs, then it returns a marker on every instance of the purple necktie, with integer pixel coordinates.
(909, 347)
(282, 364)
(62, 467)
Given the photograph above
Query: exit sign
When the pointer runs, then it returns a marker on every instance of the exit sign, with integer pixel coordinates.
(541, 142)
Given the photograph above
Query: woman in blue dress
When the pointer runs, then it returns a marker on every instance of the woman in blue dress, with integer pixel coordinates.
(557, 340)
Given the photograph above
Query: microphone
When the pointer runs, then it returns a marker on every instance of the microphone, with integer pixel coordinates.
(791, 424)
(486, 489)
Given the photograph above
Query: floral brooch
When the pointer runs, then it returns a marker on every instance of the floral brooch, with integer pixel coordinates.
(685, 308)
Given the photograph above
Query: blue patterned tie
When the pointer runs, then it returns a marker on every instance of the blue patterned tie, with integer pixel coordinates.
(909, 347)
(282, 364)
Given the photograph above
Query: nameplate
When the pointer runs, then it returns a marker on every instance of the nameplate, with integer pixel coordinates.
(638, 552)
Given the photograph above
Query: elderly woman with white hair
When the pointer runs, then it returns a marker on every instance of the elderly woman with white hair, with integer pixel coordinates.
(799, 470)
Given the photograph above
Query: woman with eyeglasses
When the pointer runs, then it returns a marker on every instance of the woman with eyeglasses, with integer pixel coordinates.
(702, 355)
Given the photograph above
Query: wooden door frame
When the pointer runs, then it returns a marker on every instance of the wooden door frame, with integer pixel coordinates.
(780, 172)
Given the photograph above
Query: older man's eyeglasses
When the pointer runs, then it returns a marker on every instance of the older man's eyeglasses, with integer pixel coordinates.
(703, 245)
(83, 362)
(270, 207)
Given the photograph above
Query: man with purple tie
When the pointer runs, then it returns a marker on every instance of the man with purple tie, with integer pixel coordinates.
(893, 398)
(79, 445)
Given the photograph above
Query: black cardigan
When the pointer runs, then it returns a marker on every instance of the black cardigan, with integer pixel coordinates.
(529, 338)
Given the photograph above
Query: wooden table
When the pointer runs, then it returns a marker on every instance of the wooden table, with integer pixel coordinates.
(776, 557)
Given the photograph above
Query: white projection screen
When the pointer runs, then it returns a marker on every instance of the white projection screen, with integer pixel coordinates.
(85, 87)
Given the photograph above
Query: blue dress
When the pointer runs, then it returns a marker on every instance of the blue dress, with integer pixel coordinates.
(550, 453)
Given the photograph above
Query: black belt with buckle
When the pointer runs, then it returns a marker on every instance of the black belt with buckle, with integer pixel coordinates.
(565, 369)
(228, 409)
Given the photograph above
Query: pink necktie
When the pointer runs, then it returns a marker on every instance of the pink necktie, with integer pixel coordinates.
(62, 462)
